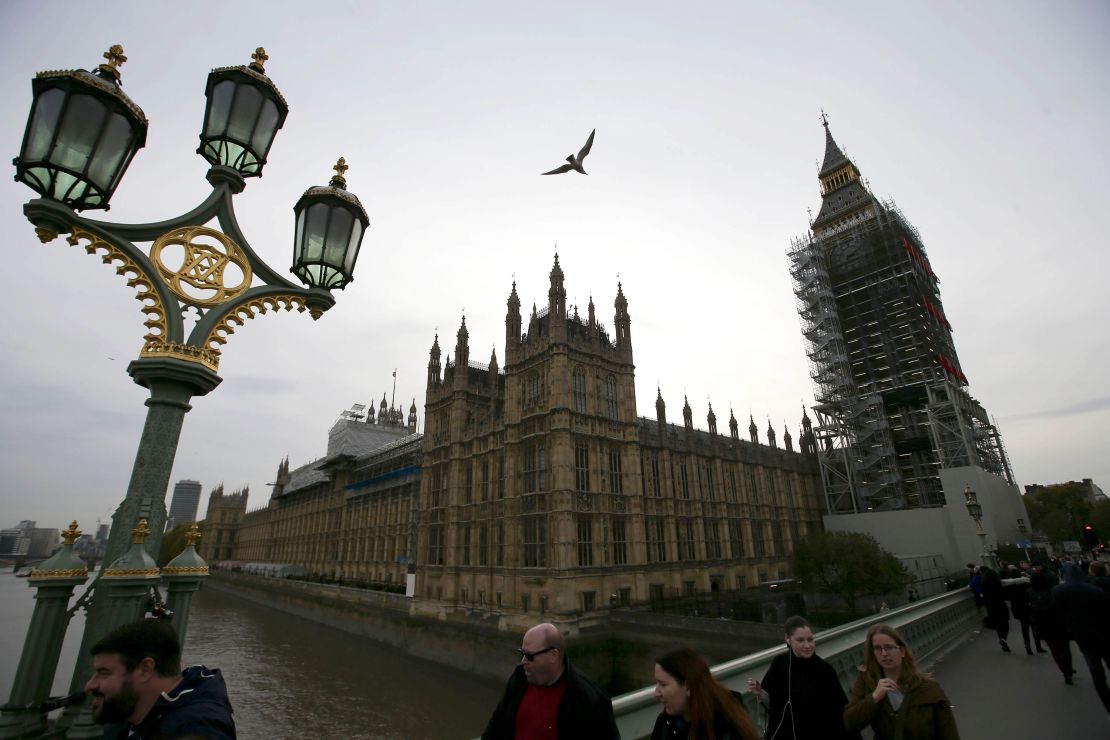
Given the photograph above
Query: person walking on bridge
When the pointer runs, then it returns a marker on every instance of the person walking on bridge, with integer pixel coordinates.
(1016, 590)
(1047, 622)
(1085, 611)
(696, 706)
(998, 616)
(894, 697)
(803, 692)
(547, 699)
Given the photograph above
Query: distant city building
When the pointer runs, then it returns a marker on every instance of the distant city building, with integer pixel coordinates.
(896, 428)
(184, 504)
(1087, 488)
(221, 523)
(25, 539)
(44, 542)
(14, 541)
(101, 532)
(545, 493)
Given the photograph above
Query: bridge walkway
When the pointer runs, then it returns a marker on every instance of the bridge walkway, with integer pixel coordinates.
(1015, 696)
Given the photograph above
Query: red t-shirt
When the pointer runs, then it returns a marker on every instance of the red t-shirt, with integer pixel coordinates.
(535, 717)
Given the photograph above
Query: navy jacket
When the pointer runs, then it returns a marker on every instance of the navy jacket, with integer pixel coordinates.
(198, 707)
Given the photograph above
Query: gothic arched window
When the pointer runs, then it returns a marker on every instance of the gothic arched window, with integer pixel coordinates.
(579, 391)
(611, 397)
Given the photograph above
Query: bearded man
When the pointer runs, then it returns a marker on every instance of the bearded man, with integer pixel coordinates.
(139, 692)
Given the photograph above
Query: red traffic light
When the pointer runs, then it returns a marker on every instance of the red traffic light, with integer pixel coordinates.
(1088, 527)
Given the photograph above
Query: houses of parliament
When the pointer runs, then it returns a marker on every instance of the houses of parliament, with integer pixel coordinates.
(536, 488)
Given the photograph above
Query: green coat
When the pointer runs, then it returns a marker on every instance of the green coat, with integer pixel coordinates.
(928, 712)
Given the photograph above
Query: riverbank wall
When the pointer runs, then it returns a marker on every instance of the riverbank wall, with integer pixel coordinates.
(616, 647)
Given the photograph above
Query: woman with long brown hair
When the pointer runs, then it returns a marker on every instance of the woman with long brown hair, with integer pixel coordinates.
(696, 706)
(894, 697)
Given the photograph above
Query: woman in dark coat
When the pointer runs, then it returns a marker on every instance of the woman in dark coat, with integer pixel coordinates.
(696, 706)
(895, 698)
(803, 692)
(998, 616)
(1016, 590)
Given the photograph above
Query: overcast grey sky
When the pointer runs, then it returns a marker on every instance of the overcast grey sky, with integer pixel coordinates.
(987, 123)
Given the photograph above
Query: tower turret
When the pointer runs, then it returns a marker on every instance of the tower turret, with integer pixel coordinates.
(712, 419)
(557, 294)
(412, 417)
(687, 414)
(807, 442)
(593, 316)
(433, 366)
(771, 434)
(660, 405)
(493, 369)
(462, 351)
(786, 440)
(621, 320)
(753, 431)
(512, 325)
(733, 427)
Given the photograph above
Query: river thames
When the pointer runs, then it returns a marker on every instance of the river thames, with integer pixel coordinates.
(290, 677)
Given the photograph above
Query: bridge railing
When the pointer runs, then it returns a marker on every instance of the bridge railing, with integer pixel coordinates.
(931, 627)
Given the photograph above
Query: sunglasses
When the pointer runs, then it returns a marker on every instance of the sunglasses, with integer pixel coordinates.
(532, 656)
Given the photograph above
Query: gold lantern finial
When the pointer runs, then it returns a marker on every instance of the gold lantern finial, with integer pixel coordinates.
(71, 533)
(192, 535)
(140, 533)
(259, 56)
(115, 57)
(340, 170)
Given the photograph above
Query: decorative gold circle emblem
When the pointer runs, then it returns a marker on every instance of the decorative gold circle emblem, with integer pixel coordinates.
(205, 267)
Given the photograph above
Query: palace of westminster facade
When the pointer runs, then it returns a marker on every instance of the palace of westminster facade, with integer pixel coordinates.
(537, 488)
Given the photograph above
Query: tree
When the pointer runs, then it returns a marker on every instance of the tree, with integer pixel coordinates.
(1100, 517)
(1059, 511)
(173, 542)
(848, 565)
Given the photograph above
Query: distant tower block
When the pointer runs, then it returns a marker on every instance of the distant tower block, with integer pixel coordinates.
(183, 506)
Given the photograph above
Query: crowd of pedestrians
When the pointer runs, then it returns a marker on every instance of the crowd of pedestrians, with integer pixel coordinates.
(1056, 603)
(546, 699)
(138, 689)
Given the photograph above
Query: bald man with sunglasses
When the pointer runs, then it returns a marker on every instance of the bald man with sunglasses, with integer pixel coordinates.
(547, 699)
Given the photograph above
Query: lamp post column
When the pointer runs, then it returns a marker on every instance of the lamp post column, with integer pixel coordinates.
(172, 384)
(122, 596)
(54, 581)
(183, 577)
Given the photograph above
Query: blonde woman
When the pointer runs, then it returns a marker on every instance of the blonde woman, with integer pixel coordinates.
(894, 697)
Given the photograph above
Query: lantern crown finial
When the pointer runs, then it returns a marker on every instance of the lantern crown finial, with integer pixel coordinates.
(115, 57)
(140, 533)
(259, 64)
(339, 181)
(192, 536)
(71, 533)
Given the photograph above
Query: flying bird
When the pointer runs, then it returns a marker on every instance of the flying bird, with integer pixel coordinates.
(573, 162)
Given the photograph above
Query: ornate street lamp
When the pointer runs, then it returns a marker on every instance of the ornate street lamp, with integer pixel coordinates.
(975, 510)
(244, 112)
(330, 225)
(81, 135)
